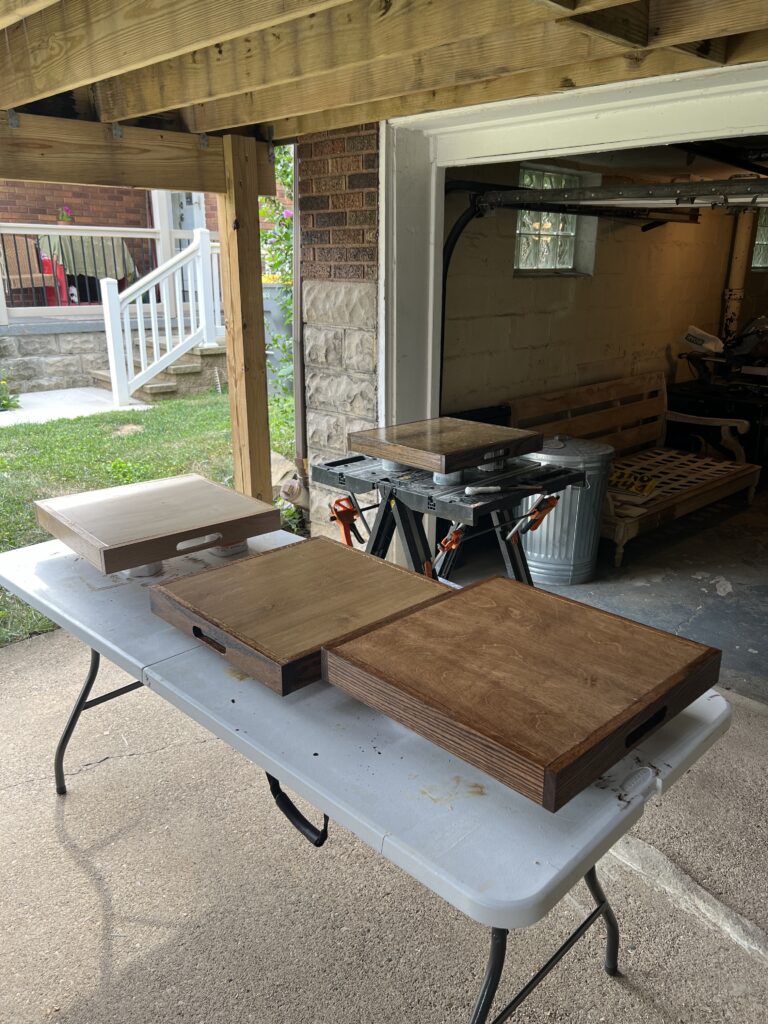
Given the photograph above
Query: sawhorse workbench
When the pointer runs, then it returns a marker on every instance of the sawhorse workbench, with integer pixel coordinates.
(407, 495)
(502, 860)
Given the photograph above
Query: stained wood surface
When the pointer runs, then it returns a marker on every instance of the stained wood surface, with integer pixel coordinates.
(124, 527)
(537, 690)
(445, 444)
(270, 615)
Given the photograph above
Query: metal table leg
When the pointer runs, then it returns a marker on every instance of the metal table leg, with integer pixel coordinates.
(82, 704)
(481, 1012)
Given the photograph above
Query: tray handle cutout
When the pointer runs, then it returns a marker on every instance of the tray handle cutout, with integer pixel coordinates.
(650, 723)
(186, 547)
(200, 635)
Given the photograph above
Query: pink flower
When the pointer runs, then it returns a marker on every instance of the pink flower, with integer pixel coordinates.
(287, 214)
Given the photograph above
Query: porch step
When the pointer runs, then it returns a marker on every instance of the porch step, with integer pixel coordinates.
(184, 368)
(153, 390)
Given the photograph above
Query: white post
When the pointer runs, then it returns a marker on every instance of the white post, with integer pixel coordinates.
(118, 369)
(206, 309)
(3, 306)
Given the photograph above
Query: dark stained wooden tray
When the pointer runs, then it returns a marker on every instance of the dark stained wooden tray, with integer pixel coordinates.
(123, 527)
(541, 692)
(270, 614)
(444, 445)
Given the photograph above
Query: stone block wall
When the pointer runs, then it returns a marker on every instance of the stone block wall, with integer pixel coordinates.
(337, 195)
(48, 362)
(340, 320)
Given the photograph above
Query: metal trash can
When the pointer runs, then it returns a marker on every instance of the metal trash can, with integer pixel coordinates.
(564, 548)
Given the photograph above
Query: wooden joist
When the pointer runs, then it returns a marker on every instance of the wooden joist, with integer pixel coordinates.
(681, 21)
(77, 42)
(14, 10)
(88, 153)
(346, 36)
(625, 67)
(244, 317)
(463, 62)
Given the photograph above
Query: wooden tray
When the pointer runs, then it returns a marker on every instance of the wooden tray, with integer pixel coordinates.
(444, 445)
(539, 691)
(270, 614)
(124, 527)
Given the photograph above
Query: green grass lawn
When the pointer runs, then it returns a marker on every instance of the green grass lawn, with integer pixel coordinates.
(40, 460)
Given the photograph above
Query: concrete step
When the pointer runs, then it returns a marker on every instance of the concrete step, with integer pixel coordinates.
(153, 391)
(183, 368)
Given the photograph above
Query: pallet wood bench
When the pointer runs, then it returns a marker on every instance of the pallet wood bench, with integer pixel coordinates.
(630, 414)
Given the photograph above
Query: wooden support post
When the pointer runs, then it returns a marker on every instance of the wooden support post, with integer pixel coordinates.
(244, 317)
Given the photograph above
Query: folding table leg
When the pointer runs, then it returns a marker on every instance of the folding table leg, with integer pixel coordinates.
(482, 1010)
(82, 704)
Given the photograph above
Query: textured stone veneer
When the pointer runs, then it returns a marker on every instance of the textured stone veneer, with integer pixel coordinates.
(340, 319)
(46, 362)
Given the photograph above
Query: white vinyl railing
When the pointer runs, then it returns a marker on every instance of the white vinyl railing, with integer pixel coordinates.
(163, 315)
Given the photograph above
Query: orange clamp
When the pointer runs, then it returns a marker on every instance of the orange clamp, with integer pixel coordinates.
(344, 513)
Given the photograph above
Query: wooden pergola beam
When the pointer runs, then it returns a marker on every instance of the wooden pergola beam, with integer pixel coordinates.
(344, 36)
(682, 21)
(244, 317)
(12, 11)
(34, 148)
(625, 67)
(78, 42)
(460, 62)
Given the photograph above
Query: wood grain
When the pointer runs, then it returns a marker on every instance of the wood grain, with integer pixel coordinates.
(537, 690)
(123, 527)
(269, 615)
(444, 445)
(239, 228)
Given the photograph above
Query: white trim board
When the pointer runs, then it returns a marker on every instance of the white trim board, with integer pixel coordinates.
(714, 103)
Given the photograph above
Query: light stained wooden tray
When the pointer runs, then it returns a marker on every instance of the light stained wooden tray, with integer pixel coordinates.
(269, 615)
(444, 445)
(541, 692)
(125, 527)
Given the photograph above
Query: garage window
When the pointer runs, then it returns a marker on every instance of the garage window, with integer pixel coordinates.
(760, 252)
(546, 241)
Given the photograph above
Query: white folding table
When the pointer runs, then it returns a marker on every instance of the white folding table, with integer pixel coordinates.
(487, 850)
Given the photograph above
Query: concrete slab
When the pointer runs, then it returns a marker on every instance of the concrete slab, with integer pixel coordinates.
(166, 887)
(704, 577)
(67, 404)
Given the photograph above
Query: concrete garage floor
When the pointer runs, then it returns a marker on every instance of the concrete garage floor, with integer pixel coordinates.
(166, 886)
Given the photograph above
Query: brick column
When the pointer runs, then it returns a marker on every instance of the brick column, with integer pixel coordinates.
(338, 201)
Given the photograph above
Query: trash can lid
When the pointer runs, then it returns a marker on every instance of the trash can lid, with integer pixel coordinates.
(572, 451)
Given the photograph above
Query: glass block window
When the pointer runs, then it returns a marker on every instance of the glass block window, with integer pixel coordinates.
(545, 241)
(760, 252)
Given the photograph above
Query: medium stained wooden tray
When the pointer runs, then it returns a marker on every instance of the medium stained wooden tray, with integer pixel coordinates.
(444, 445)
(124, 527)
(539, 691)
(270, 614)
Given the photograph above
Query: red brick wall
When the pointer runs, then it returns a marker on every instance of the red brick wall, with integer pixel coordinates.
(338, 178)
(33, 202)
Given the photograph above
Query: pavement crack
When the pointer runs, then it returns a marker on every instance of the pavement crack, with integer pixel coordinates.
(89, 765)
(687, 621)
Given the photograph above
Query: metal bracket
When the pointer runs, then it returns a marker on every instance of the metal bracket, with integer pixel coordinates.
(13, 118)
(117, 130)
(202, 140)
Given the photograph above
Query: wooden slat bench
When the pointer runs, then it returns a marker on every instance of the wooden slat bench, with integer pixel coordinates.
(630, 414)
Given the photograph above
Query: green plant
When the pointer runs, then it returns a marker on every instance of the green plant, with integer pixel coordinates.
(277, 256)
(7, 400)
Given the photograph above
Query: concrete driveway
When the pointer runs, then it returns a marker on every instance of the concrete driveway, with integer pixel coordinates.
(166, 887)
